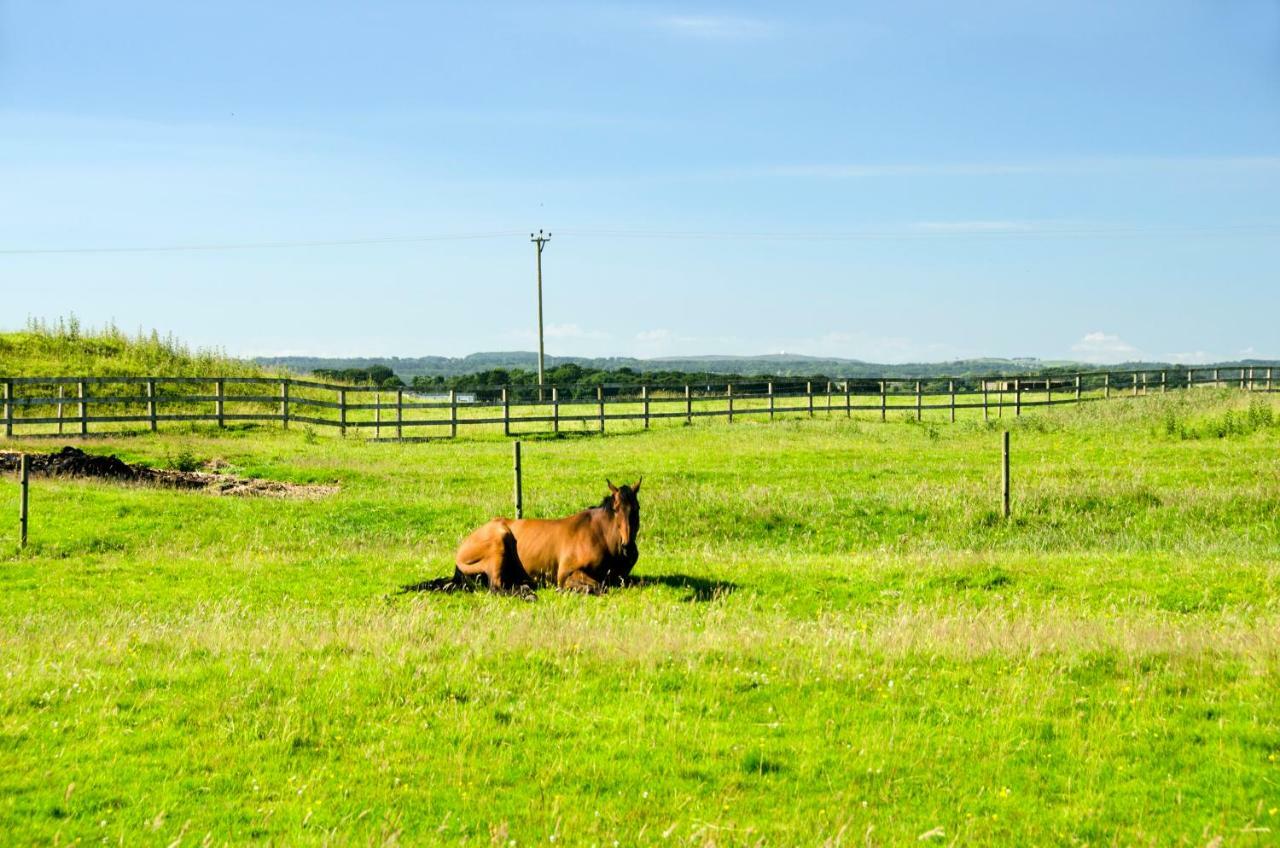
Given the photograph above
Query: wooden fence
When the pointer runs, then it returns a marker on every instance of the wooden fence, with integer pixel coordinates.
(52, 406)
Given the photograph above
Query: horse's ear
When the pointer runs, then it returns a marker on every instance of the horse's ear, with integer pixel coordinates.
(636, 487)
(612, 487)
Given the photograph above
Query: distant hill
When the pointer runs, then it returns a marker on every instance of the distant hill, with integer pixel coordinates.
(778, 364)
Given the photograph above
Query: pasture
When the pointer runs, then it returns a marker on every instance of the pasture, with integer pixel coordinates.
(838, 640)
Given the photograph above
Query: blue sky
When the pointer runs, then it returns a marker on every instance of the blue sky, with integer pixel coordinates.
(889, 181)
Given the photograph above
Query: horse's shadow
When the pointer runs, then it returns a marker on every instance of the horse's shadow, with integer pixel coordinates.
(700, 589)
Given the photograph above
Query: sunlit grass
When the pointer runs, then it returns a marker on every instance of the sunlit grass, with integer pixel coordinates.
(839, 640)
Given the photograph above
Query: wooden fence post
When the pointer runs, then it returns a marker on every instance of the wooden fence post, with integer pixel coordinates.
(828, 398)
(220, 392)
(377, 415)
(555, 409)
(1216, 379)
(884, 400)
(848, 401)
(919, 401)
(8, 409)
(1135, 383)
(688, 406)
(342, 412)
(151, 403)
(986, 410)
(770, 400)
(1077, 388)
(83, 404)
(399, 414)
(728, 392)
(1163, 382)
(1004, 477)
(644, 396)
(1048, 390)
(61, 393)
(1191, 378)
(951, 388)
(600, 401)
(1106, 386)
(808, 390)
(453, 413)
(515, 446)
(1268, 379)
(284, 403)
(24, 479)
(506, 413)
(1017, 396)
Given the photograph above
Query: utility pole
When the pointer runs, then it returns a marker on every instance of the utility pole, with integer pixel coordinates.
(540, 240)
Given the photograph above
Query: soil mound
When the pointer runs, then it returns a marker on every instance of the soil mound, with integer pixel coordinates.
(73, 462)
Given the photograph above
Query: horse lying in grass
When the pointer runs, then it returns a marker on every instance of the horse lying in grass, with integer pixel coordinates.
(582, 552)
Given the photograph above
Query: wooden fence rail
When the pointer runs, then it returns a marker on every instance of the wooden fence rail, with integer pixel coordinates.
(38, 406)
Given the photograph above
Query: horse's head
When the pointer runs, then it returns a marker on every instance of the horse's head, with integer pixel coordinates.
(625, 506)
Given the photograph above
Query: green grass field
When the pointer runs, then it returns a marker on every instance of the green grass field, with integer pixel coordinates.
(839, 641)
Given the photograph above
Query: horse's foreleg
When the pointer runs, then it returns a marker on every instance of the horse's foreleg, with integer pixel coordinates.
(580, 581)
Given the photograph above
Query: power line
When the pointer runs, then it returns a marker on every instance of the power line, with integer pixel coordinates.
(176, 248)
(941, 231)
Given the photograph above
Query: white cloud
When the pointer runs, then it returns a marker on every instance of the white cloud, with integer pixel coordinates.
(572, 331)
(1104, 347)
(716, 27)
(1196, 357)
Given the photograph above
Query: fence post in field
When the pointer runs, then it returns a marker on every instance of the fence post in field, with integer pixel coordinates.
(220, 394)
(24, 480)
(688, 406)
(377, 415)
(770, 400)
(83, 404)
(399, 414)
(828, 398)
(951, 388)
(1191, 378)
(986, 412)
(1216, 378)
(600, 401)
(808, 390)
(61, 393)
(1004, 477)
(519, 494)
(644, 396)
(506, 413)
(8, 408)
(284, 403)
(1017, 395)
(848, 401)
(1268, 379)
(1135, 383)
(1246, 383)
(1106, 385)
(884, 400)
(728, 393)
(151, 403)
(342, 411)
(555, 409)
(1164, 382)
(919, 401)
(453, 413)
(1077, 388)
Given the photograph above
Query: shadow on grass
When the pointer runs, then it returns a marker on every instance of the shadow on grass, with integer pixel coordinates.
(700, 589)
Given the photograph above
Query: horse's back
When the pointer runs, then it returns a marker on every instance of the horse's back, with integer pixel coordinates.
(485, 541)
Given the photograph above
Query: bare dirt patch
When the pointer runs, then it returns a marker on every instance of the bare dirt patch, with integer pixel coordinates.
(73, 462)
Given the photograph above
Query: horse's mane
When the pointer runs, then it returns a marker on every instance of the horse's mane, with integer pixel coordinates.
(606, 504)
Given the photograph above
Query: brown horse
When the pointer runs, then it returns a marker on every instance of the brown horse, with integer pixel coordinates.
(584, 551)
